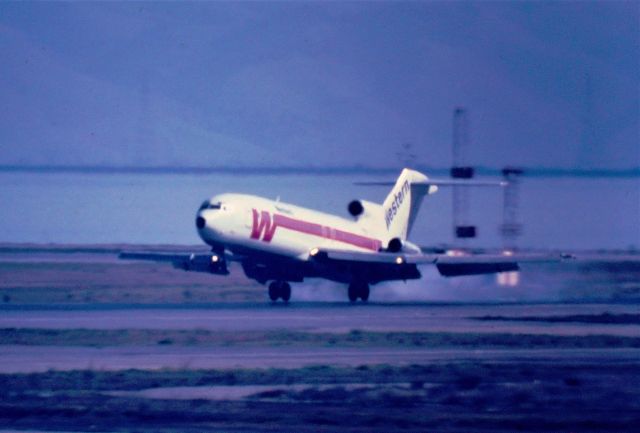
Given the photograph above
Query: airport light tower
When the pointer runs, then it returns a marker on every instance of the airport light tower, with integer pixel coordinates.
(462, 229)
(511, 227)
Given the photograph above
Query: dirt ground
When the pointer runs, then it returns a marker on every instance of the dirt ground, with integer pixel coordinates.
(452, 397)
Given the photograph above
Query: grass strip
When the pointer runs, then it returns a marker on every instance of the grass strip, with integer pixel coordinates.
(354, 338)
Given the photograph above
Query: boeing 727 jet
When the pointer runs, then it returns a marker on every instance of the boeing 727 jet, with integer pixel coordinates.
(279, 243)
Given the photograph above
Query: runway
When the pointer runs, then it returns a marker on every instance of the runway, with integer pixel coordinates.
(25, 359)
(313, 318)
(328, 317)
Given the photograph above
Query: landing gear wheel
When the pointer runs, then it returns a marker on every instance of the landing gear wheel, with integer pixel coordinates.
(358, 290)
(285, 291)
(279, 289)
(274, 292)
(353, 293)
(364, 292)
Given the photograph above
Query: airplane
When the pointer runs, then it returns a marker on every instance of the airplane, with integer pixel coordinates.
(280, 243)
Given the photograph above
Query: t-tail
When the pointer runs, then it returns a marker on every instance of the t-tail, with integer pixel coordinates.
(401, 206)
(403, 202)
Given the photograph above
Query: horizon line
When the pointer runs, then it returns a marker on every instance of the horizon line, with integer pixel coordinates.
(527, 171)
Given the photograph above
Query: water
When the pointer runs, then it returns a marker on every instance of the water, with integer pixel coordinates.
(562, 213)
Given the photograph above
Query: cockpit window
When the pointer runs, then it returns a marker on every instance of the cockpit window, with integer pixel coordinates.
(209, 205)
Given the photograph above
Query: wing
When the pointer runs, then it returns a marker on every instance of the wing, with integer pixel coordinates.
(211, 263)
(476, 264)
(448, 265)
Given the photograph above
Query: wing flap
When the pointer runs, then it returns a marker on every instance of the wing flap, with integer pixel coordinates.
(478, 268)
(477, 264)
(447, 265)
(154, 257)
(356, 256)
(210, 263)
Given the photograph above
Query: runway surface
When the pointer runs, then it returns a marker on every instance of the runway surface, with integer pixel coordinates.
(25, 359)
(328, 317)
(313, 318)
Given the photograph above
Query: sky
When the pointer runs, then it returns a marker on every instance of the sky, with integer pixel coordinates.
(551, 84)
(315, 84)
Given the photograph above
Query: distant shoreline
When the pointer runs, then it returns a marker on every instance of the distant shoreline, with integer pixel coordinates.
(535, 172)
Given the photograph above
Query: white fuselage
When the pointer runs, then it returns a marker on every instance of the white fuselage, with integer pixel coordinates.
(245, 222)
(279, 243)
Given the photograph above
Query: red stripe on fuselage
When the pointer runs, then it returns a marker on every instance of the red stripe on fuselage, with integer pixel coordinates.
(263, 223)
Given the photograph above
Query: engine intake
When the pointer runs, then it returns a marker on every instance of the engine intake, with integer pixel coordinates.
(395, 245)
(356, 208)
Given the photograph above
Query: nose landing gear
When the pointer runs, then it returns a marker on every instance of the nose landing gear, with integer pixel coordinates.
(279, 289)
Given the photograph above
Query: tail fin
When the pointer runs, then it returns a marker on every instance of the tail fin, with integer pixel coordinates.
(403, 202)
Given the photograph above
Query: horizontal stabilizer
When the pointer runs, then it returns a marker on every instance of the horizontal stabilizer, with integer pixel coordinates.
(442, 182)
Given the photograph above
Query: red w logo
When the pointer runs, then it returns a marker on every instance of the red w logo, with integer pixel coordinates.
(265, 225)
(262, 224)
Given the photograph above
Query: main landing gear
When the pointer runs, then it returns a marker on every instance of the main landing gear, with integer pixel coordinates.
(279, 289)
(358, 290)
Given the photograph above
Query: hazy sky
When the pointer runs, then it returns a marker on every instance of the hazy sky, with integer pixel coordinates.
(324, 83)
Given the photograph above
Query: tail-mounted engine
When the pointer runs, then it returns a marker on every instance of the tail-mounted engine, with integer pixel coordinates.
(370, 216)
(355, 208)
(366, 210)
(395, 245)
